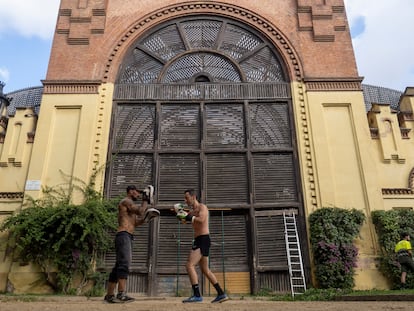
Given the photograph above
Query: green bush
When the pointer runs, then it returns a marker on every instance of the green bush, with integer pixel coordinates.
(332, 231)
(389, 225)
(64, 239)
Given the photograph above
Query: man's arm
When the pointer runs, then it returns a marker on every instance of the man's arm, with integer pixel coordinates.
(133, 208)
(201, 215)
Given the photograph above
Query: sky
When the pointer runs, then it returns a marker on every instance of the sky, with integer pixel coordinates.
(381, 30)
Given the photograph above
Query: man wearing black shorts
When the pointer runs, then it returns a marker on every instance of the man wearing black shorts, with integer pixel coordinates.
(201, 246)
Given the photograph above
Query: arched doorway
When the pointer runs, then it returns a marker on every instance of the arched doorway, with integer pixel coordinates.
(204, 102)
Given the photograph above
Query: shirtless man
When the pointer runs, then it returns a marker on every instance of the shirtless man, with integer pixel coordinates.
(130, 215)
(198, 216)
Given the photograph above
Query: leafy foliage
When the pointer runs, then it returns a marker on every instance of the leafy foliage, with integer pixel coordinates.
(332, 231)
(389, 225)
(63, 238)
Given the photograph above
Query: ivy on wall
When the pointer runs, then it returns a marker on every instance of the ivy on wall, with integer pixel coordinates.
(332, 232)
(64, 239)
(389, 225)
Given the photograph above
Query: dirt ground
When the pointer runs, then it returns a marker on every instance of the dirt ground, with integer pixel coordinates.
(175, 304)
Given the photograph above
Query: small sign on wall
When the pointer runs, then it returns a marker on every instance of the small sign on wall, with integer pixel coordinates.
(32, 185)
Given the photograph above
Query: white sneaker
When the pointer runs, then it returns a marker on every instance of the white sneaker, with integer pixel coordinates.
(151, 214)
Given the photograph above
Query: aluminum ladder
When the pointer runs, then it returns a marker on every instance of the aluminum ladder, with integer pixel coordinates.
(296, 274)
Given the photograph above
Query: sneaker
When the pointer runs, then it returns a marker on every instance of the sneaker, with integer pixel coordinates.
(149, 194)
(110, 299)
(220, 298)
(151, 214)
(193, 299)
(121, 297)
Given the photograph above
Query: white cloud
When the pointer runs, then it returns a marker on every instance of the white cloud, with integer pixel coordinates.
(4, 74)
(383, 45)
(29, 17)
(384, 50)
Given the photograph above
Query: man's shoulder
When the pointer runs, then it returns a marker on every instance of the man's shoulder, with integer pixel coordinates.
(125, 202)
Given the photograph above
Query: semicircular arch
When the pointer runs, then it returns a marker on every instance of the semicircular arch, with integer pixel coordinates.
(285, 50)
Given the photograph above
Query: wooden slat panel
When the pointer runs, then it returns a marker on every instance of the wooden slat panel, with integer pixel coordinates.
(270, 126)
(178, 172)
(185, 92)
(229, 250)
(174, 244)
(139, 251)
(135, 127)
(227, 173)
(130, 169)
(232, 282)
(274, 281)
(270, 242)
(180, 126)
(274, 178)
(225, 126)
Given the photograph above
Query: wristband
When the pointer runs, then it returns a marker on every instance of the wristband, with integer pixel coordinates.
(189, 218)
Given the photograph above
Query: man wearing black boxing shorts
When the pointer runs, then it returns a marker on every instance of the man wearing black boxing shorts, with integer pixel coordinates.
(198, 217)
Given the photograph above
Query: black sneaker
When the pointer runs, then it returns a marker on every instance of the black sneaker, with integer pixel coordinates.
(148, 194)
(121, 297)
(110, 299)
(151, 214)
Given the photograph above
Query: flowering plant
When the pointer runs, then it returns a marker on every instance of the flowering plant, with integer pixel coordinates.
(332, 233)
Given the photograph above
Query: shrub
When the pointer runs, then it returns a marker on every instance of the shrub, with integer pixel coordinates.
(62, 238)
(389, 225)
(332, 231)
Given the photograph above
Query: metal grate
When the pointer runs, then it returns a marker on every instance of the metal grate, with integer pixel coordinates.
(165, 43)
(180, 51)
(189, 66)
(237, 42)
(144, 69)
(262, 67)
(201, 34)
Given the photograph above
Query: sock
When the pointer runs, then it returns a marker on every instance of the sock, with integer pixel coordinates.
(196, 290)
(218, 289)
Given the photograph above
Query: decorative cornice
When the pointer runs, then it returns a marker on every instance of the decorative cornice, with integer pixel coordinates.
(11, 195)
(71, 87)
(397, 191)
(179, 10)
(333, 84)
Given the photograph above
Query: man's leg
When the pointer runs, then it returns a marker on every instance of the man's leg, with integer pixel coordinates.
(221, 296)
(192, 261)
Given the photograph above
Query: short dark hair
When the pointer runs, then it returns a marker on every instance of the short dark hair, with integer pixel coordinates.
(404, 234)
(131, 187)
(191, 191)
